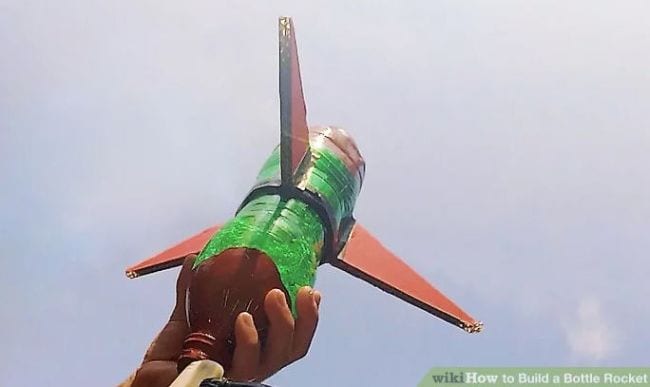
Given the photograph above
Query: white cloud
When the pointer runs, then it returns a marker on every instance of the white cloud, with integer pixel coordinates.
(590, 336)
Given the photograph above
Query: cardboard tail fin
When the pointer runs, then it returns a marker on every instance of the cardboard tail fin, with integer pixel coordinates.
(364, 257)
(173, 256)
(294, 134)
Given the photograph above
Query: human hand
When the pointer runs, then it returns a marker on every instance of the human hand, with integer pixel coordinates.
(288, 340)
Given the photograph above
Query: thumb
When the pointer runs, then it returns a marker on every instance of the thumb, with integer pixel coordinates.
(182, 283)
(169, 342)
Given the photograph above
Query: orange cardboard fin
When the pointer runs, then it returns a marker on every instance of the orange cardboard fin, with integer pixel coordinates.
(173, 256)
(294, 134)
(364, 257)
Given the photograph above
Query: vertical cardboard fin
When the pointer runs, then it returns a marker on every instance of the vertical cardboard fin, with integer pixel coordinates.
(294, 134)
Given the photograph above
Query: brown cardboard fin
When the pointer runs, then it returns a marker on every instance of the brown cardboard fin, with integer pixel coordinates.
(294, 134)
(173, 256)
(364, 257)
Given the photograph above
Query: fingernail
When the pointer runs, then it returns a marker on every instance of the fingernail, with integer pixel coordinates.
(247, 319)
(317, 298)
(310, 290)
(280, 298)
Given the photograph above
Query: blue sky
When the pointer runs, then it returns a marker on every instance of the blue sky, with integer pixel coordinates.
(507, 147)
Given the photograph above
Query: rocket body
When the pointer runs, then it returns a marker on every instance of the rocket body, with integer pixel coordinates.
(289, 230)
(274, 241)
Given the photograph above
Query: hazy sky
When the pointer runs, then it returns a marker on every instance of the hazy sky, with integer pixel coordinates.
(508, 158)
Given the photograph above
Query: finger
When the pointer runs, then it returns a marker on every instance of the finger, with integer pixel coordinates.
(182, 283)
(167, 345)
(307, 305)
(278, 345)
(246, 357)
(155, 374)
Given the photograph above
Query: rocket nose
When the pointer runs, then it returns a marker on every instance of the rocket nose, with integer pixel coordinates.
(345, 145)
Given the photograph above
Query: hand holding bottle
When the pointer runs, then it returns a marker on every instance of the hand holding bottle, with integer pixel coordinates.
(288, 339)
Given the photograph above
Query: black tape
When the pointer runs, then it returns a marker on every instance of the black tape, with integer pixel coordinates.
(311, 199)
